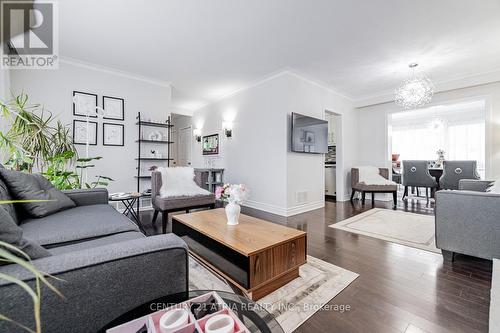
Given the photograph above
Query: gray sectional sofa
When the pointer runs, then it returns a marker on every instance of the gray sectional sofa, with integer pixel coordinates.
(468, 221)
(105, 266)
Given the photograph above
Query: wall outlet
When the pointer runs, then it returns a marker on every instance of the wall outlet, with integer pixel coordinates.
(301, 197)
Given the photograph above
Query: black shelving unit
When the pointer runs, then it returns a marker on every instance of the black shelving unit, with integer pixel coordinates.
(140, 124)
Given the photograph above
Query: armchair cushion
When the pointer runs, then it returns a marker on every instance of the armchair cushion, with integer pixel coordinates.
(183, 202)
(24, 186)
(178, 182)
(357, 183)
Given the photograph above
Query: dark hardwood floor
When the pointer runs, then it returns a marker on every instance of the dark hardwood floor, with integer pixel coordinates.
(400, 289)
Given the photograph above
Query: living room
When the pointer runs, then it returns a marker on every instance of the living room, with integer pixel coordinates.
(235, 143)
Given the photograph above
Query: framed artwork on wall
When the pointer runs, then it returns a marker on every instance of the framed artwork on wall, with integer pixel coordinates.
(84, 104)
(80, 132)
(210, 144)
(113, 134)
(114, 108)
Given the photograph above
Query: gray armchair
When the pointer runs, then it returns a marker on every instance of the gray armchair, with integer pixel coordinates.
(364, 188)
(416, 174)
(174, 204)
(454, 171)
(467, 221)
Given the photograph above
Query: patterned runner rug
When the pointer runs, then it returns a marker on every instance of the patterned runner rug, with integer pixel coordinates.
(295, 302)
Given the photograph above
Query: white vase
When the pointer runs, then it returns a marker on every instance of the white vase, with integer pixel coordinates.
(232, 213)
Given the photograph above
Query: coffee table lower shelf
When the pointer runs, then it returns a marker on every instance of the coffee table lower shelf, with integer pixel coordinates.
(256, 275)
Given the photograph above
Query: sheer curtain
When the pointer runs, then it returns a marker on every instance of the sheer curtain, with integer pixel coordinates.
(457, 129)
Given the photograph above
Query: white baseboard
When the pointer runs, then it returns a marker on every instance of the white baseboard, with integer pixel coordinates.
(305, 207)
(283, 211)
(266, 207)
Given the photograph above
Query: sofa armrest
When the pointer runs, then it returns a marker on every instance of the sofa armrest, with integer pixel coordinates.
(86, 197)
(467, 222)
(98, 284)
(473, 185)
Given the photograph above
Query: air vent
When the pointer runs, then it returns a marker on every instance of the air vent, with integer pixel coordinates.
(301, 197)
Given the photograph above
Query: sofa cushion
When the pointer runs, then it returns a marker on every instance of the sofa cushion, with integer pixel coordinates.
(76, 224)
(12, 234)
(93, 243)
(25, 186)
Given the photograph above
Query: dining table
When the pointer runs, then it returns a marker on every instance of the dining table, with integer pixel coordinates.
(436, 173)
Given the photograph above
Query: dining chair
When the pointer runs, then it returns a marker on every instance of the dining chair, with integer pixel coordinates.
(416, 174)
(453, 171)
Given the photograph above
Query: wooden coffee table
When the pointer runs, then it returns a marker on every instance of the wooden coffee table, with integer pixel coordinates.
(256, 256)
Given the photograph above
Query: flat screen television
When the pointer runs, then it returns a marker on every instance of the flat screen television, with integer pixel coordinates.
(309, 135)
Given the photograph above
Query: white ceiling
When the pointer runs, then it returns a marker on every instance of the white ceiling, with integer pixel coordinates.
(209, 48)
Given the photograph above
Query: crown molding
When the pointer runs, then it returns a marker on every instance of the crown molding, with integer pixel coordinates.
(441, 86)
(271, 76)
(317, 83)
(114, 71)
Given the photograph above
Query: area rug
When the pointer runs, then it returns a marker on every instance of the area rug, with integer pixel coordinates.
(295, 302)
(410, 229)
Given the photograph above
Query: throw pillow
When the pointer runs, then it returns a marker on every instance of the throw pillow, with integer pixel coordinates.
(5, 196)
(25, 186)
(179, 182)
(12, 234)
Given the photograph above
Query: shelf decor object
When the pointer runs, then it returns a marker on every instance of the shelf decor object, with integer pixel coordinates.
(114, 107)
(415, 91)
(113, 134)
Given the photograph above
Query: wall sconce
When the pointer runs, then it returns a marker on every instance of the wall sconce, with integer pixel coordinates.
(197, 134)
(227, 126)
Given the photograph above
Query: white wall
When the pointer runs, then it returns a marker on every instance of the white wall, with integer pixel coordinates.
(4, 96)
(54, 88)
(4, 83)
(258, 153)
(372, 126)
(305, 172)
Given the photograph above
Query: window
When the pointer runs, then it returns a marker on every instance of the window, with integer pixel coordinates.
(458, 129)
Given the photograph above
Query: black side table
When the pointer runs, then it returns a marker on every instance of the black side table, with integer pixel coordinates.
(130, 202)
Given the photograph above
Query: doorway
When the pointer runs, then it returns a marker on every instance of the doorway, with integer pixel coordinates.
(182, 134)
(333, 177)
(184, 146)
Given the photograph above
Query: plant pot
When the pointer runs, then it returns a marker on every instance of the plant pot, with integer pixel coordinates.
(233, 213)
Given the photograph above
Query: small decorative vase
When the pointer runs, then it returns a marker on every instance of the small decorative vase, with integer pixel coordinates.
(232, 213)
